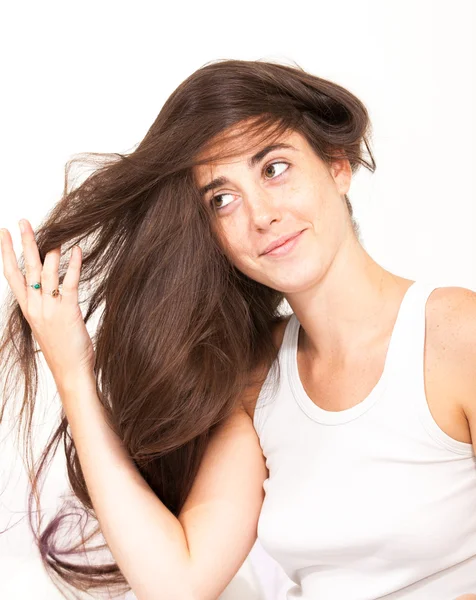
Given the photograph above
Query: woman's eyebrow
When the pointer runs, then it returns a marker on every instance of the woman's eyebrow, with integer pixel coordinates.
(256, 158)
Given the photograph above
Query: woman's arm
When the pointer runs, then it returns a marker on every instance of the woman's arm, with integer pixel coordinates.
(159, 555)
(146, 539)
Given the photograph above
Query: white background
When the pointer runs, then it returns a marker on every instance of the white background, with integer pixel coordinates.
(92, 76)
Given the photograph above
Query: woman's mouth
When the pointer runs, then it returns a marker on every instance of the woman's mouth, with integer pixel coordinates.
(286, 247)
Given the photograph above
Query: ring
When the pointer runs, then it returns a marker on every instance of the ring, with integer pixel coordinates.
(37, 286)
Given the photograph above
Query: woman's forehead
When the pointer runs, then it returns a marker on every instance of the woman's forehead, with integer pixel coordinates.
(242, 146)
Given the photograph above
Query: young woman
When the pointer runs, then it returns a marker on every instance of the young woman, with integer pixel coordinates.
(202, 417)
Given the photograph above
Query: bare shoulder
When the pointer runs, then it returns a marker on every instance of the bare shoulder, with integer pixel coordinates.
(451, 340)
(451, 316)
(249, 402)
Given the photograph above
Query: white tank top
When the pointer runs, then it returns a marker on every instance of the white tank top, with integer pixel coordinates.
(375, 501)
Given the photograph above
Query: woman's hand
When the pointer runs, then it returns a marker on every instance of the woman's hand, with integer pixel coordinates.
(56, 321)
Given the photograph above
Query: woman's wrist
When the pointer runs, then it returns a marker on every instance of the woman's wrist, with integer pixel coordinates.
(75, 384)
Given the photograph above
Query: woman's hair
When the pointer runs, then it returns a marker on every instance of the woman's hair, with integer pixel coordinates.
(180, 329)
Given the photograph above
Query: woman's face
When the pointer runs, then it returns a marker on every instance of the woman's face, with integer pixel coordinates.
(282, 192)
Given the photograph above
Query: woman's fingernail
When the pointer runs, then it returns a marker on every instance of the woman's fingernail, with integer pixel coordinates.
(22, 225)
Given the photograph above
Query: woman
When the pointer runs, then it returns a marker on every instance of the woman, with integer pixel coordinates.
(355, 465)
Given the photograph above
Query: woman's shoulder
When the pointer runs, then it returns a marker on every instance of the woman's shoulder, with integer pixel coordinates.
(451, 310)
(259, 374)
(450, 323)
(451, 341)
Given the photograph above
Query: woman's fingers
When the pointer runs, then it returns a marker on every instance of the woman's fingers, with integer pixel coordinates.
(34, 302)
(50, 281)
(33, 269)
(71, 278)
(12, 273)
(57, 322)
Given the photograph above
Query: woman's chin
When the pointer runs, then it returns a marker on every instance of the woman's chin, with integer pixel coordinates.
(296, 279)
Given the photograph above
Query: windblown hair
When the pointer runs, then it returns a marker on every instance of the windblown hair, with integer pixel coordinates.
(181, 329)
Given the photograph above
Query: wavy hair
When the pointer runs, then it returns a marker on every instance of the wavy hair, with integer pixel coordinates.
(180, 329)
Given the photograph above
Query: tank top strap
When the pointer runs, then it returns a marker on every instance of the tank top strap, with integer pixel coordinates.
(268, 391)
(287, 343)
(407, 344)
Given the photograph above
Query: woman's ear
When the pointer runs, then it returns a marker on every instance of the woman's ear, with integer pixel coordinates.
(342, 174)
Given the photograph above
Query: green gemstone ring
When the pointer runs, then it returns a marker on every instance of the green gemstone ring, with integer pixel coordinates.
(55, 293)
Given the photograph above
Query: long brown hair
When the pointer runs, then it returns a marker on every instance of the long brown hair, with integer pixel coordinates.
(180, 329)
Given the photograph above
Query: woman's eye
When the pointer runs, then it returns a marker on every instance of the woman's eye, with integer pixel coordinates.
(215, 198)
(271, 166)
(266, 169)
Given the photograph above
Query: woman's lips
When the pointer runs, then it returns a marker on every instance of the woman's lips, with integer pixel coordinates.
(286, 247)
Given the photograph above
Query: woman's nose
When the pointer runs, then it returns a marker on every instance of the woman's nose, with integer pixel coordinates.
(263, 208)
